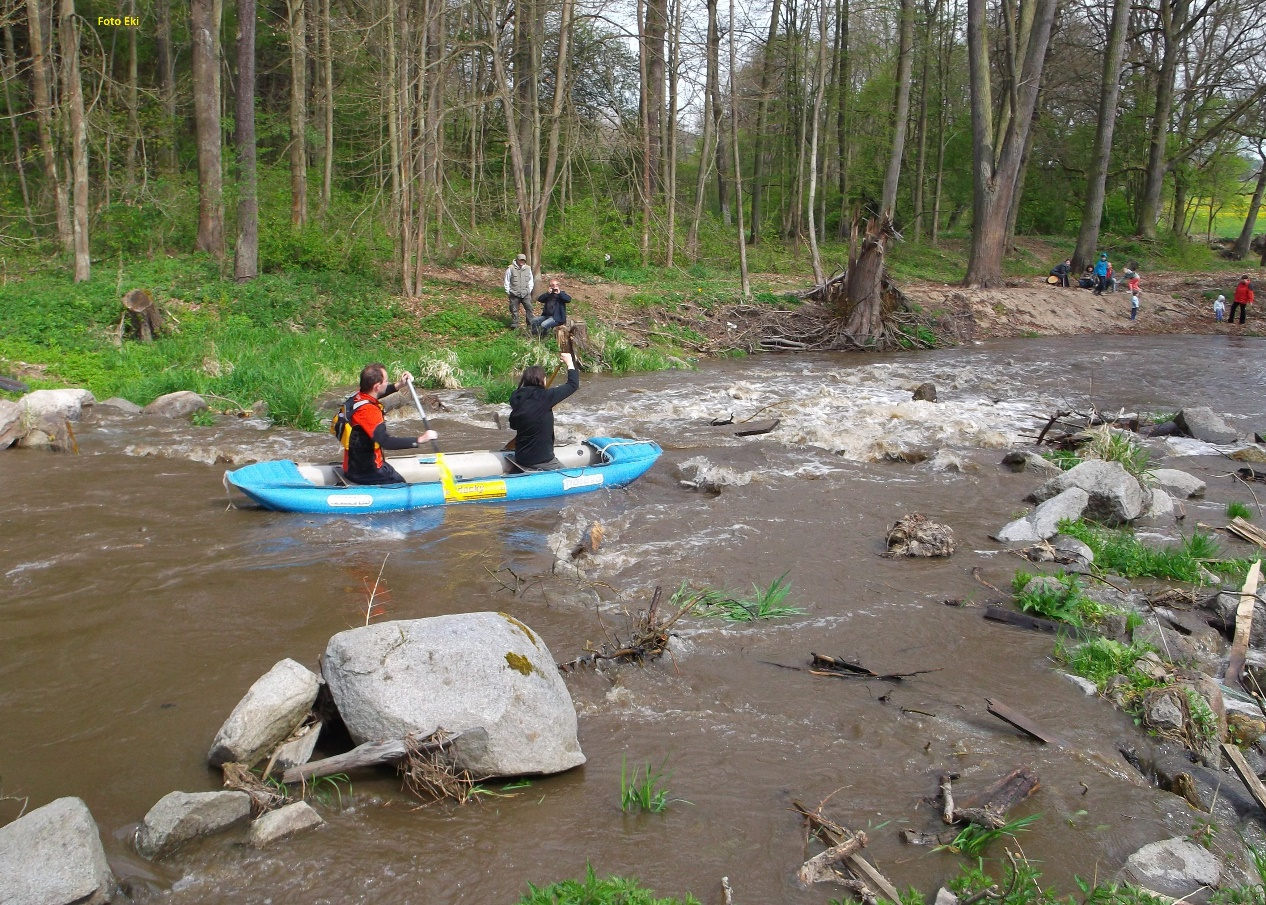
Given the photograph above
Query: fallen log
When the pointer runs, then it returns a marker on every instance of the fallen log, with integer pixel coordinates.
(1245, 773)
(1243, 626)
(833, 834)
(1023, 723)
(1247, 531)
(761, 427)
(1033, 623)
(369, 754)
(989, 808)
(819, 868)
(839, 668)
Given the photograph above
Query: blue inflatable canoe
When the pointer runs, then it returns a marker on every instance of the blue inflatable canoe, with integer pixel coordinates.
(441, 479)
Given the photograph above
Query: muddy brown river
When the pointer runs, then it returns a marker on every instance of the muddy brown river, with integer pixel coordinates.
(136, 609)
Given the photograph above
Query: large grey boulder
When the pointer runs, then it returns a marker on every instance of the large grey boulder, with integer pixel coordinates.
(53, 856)
(273, 708)
(283, 822)
(180, 404)
(1201, 422)
(180, 817)
(1173, 867)
(55, 406)
(1115, 495)
(11, 426)
(1043, 522)
(458, 672)
(1177, 484)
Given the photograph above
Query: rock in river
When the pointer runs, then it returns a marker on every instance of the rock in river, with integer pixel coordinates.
(53, 856)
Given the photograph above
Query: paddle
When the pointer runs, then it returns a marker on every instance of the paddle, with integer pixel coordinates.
(435, 444)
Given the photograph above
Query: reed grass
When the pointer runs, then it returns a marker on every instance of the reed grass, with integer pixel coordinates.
(760, 603)
(598, 891)
(644, 788)
(1119, 550)
(1238, 509)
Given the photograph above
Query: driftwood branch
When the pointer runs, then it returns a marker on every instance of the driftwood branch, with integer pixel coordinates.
(367, 755)
(1243, 626)
(989, 808)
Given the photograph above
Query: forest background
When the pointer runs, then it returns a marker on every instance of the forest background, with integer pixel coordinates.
(290, 178)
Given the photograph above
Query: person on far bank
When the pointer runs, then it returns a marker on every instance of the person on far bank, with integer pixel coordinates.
(553, 310)
(1243, 298)
(1132, 282)
(518, 283)
(1219, 307)
(362, 429)
(1101, 274)
(532, 416)
(1062, 272)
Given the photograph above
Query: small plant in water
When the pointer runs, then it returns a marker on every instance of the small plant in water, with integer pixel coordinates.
(1236, 509)
(761, 603)
(973, 839)
(328, 790)
(644, 788)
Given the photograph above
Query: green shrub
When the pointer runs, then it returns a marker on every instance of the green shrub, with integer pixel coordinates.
(594, 891)
(1237, 509)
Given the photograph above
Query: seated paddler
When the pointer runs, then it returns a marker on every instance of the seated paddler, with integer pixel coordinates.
(362, 430)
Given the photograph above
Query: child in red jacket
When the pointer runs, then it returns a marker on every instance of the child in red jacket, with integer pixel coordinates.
(1243, 298)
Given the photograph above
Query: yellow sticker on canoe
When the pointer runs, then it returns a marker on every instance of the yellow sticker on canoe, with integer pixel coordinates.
(467, 490)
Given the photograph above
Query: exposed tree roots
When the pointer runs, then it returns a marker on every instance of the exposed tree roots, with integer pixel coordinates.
(429, 774)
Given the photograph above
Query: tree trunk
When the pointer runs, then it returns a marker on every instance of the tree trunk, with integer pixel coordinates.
(931, 15)
(738, 169)
(762, 117)
(166, 82)
(844, 86)
(643, 61)
(865, 324)
(297, 32)
(43, 114)
(1096, 179)
(73, 98)
(133, 120)
(714, 79)
(656, 25)
(1173, 16)
(905, 46)
(1240, 251)
(993, 185)
(205, 27)
(562, 88)
(670, 147)
(819, 86)
(10, 78)
(943, 76)
(327, 91)
(246, 257)
(705, 151)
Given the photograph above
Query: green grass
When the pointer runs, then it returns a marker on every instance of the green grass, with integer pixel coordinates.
(644, 788)
(761, 603)
(1119, 551)
(973, 839)
(1063, 602)
(1237, 509)
(598, 891)
(1099, 659)
(1114, 446)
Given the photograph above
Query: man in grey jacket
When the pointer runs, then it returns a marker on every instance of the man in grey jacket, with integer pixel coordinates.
(518, 284)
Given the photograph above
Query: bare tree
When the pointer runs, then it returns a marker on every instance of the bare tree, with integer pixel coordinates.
(819, 86)
(73, 98)
(43, 114)
(11, 78)
(738, 169)
(297, 31)
(204, 21)
(762, 118)
(1243, 243)
(995, 173)
(905, 53)
(714, 79)
(166, 80)
(327, 94)
(246, 251)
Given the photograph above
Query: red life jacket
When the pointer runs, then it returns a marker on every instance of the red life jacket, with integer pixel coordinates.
(354, 425)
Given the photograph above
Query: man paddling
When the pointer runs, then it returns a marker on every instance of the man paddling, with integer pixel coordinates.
(362, 430)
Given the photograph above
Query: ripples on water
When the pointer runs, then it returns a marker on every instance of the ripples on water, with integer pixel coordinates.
(136, 609)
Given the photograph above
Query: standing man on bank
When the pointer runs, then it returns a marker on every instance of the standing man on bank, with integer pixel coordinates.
(1243, 298)
(519, 284)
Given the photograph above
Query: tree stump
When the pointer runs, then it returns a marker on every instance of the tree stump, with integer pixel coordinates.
(866, 277)
(143, 316)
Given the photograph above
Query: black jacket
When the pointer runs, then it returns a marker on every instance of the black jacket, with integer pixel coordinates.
(554, 304)
(532, 416)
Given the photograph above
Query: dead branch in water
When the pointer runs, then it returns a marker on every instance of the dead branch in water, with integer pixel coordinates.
(429, 774)
(264, 797)
(648, 638)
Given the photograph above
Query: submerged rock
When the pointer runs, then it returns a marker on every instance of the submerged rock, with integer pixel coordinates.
(1174, 867)
(925, 392)
(1201, 422)
(180, 404)
(1177, 483)
(180, 817)
(1114, 494)
(458, 672)
(917, 535)
(1022, 459)
(272, 709)
(53, 856)
(283, 822)
(1043, 522)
